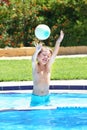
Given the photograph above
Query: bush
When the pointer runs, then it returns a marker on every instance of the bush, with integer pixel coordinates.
(18, 20)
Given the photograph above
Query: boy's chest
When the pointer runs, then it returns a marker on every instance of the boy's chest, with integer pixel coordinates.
(41, 75)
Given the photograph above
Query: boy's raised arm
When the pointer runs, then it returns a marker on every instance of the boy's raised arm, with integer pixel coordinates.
(34, 57)
(57, 45)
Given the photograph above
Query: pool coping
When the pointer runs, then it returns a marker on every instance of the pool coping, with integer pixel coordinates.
(54, 85)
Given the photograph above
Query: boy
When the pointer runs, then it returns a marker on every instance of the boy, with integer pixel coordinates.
(41, 65)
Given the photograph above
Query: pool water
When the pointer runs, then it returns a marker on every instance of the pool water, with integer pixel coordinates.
(70, 113)
(22, 100)
(57, 119)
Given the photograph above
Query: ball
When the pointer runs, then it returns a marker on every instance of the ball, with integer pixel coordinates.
(42, 32)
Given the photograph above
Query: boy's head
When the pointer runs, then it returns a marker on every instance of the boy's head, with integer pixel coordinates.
(44, 55)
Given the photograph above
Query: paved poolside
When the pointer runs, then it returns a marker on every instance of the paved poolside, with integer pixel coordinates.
(52, 82)
(57, 85)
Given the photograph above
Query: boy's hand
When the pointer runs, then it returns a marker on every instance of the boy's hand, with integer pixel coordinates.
(38, 47)
(59, 40)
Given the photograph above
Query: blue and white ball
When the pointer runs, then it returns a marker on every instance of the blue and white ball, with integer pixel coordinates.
(42, 32)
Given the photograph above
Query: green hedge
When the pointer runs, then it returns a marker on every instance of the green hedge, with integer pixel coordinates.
(18, 19)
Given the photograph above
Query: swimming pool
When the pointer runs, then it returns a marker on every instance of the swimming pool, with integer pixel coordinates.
(20, 100)
(67, 111)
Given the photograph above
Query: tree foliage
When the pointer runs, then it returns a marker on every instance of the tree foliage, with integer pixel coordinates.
(18, 19)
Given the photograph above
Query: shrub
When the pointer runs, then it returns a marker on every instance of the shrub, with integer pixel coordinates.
(18, 20)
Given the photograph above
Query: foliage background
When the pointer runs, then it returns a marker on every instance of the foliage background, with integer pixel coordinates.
(18, 19)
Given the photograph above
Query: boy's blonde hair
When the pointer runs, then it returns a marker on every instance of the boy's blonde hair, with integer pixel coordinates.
(46, 48)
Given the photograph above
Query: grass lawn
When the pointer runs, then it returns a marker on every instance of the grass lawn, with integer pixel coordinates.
(63, 68)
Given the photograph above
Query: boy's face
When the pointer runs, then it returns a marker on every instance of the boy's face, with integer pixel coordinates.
(44, 56)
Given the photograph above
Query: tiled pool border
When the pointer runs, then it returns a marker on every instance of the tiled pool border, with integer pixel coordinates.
(52, 87)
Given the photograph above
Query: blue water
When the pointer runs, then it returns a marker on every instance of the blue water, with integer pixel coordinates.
(67, 116)
(58, 119)
(22, 100)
